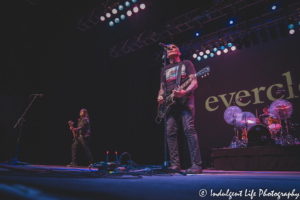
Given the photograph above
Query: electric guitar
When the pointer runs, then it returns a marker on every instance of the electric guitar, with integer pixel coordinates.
(170, 97)
(75, 134)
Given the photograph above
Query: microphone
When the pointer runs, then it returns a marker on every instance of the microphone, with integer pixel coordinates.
(37, 95)
(165, 46)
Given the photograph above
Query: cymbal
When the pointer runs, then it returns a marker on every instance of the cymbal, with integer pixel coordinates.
(230, 114)
(281, 109)
(246, 119)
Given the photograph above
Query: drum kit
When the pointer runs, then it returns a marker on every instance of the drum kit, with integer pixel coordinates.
(246, 127)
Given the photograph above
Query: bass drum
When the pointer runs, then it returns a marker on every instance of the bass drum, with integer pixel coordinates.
(259, 135)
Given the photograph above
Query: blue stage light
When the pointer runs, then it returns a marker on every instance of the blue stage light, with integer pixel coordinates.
(231, 22)
(122, 16)
(121, 7)
(291, 26)
(133, 1)
(215, 49)
(198, 58)
(197, 34)
(222, 47)
(229, 44)
(205, 56)
(211, 54)
(274, 7)
(111, 23)
(117, 20)
(127, 3)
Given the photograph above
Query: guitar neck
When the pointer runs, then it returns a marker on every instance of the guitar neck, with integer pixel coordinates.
(182, 86)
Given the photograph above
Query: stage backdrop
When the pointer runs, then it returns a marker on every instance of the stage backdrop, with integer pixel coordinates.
(253, 73)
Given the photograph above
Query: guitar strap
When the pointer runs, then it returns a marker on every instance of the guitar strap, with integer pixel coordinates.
(178, 80)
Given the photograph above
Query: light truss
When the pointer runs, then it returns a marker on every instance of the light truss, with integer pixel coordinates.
(178, 25)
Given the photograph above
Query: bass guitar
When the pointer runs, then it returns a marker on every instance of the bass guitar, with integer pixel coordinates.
(170, 97)
(75, 134)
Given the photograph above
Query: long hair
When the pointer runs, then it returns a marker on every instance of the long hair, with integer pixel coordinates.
(86, 113)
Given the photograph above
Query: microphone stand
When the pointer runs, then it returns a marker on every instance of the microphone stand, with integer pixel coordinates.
(165, 165)
(14, 159)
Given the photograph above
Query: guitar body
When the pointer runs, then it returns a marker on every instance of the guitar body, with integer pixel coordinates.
(75, 135)
(170, 97)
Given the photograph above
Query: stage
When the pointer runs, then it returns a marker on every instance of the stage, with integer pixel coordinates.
(50, 182)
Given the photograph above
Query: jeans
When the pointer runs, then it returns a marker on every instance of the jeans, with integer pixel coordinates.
(186, 114)
(84, 141)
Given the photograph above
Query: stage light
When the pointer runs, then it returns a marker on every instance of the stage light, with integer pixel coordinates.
(205, 56)
(197, 34)
(117, 20)
(211, 54)
(142, 6)
(225, 50)
(215, 49)
(292, 31)
(111, 23)
(195, 55)
(129, 13)
(291, 26)
(122, 16)
(229, 44)
(201, 53)
(207, 51)
(133, 1)
(121, 7)
(222, 47)
(108, 15)
(127, 3)
(198, 58)
(238, 43)
(219, 52)
(231, 22)
(274, 7)
(135, 9)
(114, 11)
(233, 48)
(102, 18)
(291, 23)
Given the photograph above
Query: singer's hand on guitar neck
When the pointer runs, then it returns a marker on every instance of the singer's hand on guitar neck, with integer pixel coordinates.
(179, 94)
(160, 99)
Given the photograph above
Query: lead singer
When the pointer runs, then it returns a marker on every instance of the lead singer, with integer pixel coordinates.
(184, 109)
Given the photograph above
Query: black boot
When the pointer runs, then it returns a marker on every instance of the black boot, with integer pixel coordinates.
(194, 169)
(176, 168)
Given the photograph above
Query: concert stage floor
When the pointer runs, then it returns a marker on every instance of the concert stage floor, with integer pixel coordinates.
(49, 182)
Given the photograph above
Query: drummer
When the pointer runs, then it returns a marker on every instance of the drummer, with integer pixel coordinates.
(263, 118)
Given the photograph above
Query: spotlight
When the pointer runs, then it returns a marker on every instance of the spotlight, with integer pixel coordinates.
(198, 58)
(254, 38)
(291, 23)
(205, 56)
(225, 50)
(142, 6)
(292, 31)
(215, 49)
(197, 34)
(102, 18)
(122, 16)
(222, 46)
(233, 48)
(219, 52)
(108, 15)
(127, 3)
(135, 9)
(121, 7)
(211, 54)
(231, 22)
(263, 35)
(238, 43)
(229, 44)
(117, 20)
(274, 7)
(194, 55)
(133, 1)
(201, 53)
(273, 32)
(129, 13)
(207, 51)
(114, 11)
(111, 23)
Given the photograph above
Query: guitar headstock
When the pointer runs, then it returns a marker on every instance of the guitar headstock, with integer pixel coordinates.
(203, 72)
(70, 122)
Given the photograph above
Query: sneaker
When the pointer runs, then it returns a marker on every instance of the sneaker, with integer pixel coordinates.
(72, 165)
(194, 169)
